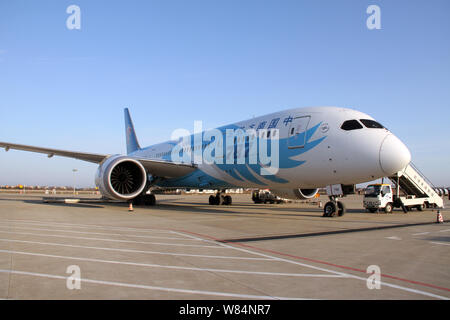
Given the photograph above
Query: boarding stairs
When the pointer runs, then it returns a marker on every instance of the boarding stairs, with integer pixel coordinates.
(415, 185)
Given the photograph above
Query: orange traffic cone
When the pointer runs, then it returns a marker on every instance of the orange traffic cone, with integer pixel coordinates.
(130, 207)
(440, 219)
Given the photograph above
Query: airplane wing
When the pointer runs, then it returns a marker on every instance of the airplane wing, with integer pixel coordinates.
(156, 167)
(91, 157)
(168, 169)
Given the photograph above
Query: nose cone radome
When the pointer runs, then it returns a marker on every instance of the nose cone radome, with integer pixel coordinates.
(394, 155)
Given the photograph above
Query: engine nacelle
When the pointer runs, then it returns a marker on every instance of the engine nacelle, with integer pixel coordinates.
(301, 194)
(121, 178)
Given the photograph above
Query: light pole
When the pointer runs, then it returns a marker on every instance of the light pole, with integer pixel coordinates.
(74, 170)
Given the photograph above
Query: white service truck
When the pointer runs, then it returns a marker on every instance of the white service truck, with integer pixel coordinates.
(418, 193)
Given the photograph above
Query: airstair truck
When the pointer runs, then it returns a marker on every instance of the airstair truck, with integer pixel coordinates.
(417, 191)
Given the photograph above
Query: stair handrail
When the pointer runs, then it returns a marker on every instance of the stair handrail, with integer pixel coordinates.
(422, 175)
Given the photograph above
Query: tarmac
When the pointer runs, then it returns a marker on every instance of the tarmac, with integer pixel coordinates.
(183, 248)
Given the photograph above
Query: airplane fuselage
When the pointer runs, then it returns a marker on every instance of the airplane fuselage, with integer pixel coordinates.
(317, 146)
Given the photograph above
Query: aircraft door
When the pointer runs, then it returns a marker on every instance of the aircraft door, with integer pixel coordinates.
(297, 132)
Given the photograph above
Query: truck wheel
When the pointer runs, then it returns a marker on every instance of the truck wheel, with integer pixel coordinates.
(388, 208)
(329, 210)
(341, 209)
(421, 207)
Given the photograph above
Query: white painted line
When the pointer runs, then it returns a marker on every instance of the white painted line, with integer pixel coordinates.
(446, 230)
(109, 240)
(441, 243)
(393, 238)
(153, 288)
(86, 226)
(420, 292)
(420, 234)
(310, 275)
(136, 251)
(280, 259)
(10, 226)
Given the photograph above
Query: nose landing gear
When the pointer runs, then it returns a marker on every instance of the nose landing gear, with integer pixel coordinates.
(333, 208)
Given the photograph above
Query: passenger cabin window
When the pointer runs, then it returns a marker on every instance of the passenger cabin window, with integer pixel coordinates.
(351, 125)
(371, 124)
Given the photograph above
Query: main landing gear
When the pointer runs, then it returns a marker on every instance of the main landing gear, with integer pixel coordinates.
(220, 199)
(145, 200)
(333, 208)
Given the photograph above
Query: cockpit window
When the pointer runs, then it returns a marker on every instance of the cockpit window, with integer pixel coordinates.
(351, 125)
(371, 124)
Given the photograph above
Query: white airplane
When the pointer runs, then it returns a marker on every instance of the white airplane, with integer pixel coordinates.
(317, 147)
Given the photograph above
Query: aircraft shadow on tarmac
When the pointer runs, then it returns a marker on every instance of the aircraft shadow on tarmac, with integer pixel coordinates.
(75, 205)
(235, 210)
(263, 209)
(332, 232)
(440, 239)
(277, 211)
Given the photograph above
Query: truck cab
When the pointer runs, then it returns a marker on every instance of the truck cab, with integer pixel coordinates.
(378, 196)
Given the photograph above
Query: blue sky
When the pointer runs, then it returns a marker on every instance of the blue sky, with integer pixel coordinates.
(173, 62)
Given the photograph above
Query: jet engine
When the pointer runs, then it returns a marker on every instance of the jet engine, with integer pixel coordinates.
(301, 194)
(121, 178)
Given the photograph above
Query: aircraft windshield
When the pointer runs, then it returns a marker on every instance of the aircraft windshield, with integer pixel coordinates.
(372, 191)
(371, 124)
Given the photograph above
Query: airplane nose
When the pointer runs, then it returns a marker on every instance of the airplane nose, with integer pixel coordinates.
(394, 155)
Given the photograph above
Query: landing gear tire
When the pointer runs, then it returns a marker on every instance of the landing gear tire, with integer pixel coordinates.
(138, 201)
(144, 200)
(220, 199)
(341, 209)
(227, 200)
(214, 200)
(330, 209)
(149, 199)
